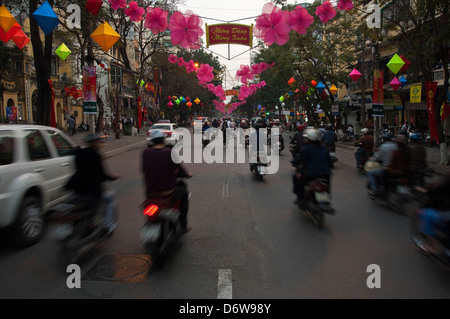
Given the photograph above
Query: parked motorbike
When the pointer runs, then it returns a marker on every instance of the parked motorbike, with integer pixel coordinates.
(83, 128)
(162, 228)
(78, 228)
(317, 201)
(430, 228)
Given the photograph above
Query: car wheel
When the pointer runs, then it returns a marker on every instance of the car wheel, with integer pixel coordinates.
(30, 222)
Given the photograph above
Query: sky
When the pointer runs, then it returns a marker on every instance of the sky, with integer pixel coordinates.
(236, 11)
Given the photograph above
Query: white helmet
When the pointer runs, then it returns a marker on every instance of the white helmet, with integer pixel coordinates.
(365, 130)
(312, 135)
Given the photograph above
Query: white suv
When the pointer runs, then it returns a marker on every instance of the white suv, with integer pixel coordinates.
(35, 164)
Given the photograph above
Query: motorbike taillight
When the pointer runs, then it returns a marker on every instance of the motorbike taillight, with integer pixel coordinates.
(151, 210)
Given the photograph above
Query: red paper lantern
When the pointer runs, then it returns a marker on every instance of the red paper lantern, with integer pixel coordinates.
(93, 6)
(20, 39)
(6, 36)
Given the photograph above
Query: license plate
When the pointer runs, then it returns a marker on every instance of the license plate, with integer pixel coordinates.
(322, 197)
(61, 231)
(150, 233)
(403, 190)
(332, 154)
(261, 170)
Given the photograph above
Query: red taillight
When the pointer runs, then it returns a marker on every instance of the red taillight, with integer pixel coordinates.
(151, 210)
(169, 134)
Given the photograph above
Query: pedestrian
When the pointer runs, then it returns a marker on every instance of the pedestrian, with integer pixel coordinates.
(71, 123)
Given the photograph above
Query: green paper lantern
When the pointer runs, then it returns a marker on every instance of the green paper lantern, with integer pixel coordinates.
(281, 98)
(178, 101)
(63, 52)
(395, 64)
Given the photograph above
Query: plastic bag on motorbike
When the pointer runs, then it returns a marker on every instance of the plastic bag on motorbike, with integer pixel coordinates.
(371, 165)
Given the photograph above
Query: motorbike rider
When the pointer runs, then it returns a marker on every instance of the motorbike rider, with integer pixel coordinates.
(313, 161)
(365, 149)
(87, 181)
(276, 124)
(401, 165)
(297, 140)
(418, 153)
(383, 156)
(161, 173)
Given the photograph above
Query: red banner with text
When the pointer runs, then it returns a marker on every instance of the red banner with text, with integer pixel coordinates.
(430, 89)
(229, 34)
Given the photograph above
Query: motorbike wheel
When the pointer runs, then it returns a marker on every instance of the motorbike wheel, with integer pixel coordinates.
(318, 217)
(68, 251)
(418, 238)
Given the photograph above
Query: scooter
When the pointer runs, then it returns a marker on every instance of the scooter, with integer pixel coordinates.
(278, 140)
(394, 195)
(83, 127)
(162, 228)
(430, 230)
(317, 201)
(78, 228)
(259, 169)
(332, 150)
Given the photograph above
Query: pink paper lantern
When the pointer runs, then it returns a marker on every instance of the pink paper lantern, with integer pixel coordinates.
(395, 84)
(355, 75)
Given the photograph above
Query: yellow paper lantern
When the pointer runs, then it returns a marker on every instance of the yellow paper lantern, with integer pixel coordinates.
(197, 101)
(105, 36)
(6, 19)
(333, 89)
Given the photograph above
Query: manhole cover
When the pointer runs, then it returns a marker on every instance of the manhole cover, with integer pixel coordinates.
(124, 268)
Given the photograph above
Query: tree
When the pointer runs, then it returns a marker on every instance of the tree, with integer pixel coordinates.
(420, 28)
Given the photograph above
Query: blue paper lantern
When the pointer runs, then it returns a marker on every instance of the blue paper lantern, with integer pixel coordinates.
(320, 87)
(403, 81)
(46, 18)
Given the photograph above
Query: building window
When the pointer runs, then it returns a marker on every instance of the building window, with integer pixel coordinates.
(54, 67)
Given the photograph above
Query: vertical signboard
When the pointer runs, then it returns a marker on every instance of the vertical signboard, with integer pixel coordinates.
(90, 90)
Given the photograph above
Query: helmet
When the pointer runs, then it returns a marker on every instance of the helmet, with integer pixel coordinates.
(300, 127)
(414, 136)
(387, 136)
(329, 127)
(312, 135)
(156, 134)
(276, 121)
(371, 165)
(365, 131)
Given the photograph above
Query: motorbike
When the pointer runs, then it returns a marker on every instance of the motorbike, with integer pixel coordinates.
(259, 169)
(78, 228)
(365, 156)
(395, 194)
(332, 150)
(206, 139)
(83, 127)
(430, 228)
(317, 201)
(162, 228)
(278, 140)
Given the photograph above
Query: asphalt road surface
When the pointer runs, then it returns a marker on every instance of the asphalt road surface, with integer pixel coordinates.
(248, 241)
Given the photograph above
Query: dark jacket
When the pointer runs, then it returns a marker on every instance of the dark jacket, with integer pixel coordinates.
(160, 171)
(314, 160)
(89, 174)
(329, 138)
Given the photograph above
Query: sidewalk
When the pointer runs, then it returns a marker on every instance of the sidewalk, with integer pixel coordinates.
(433, 157)
(113, 146)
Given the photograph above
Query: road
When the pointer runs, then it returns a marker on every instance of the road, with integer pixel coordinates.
(248, 241)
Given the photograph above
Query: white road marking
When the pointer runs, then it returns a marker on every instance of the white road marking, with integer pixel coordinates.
(224, 286)
(225, 189)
